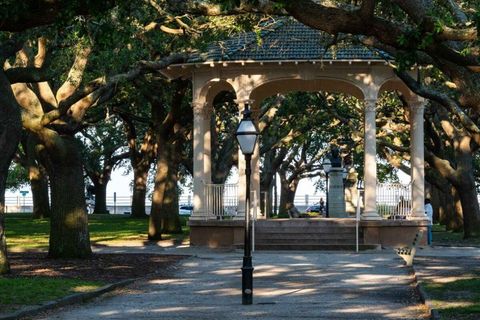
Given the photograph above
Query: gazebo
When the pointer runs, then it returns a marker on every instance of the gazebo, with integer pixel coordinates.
(290, 56)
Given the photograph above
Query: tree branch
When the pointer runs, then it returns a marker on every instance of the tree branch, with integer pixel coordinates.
(26, 75)
(441, 98)
(75, 74)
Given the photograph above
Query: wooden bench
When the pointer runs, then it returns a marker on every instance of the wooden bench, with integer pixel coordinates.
(408, 253)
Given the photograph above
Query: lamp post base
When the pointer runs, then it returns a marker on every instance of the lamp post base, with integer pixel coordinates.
(247, 281)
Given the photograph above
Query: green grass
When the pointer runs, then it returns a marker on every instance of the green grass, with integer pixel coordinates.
(459, 299)
(441, 236)
(18, 292)
(23, 232)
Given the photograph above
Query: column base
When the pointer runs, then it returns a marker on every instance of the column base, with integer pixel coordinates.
(372, 215)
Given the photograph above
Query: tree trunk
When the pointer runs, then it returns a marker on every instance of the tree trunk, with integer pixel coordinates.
(466, 189)
(454, 219)
(10, 133)
(266, 184)
(164, 216)
(470, 208)
(440, 202)
(100, 197)
(39, 185)
(4, 264)
(140, 176)
(69, 236)
(287, 197)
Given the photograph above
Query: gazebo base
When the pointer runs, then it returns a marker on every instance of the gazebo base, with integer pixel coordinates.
(393, 233)
(307, 234)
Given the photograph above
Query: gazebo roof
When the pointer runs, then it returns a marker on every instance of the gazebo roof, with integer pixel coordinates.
(286, 39)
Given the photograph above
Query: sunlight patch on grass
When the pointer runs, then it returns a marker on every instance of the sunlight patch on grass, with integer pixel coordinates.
(25, 233)
(85, 288)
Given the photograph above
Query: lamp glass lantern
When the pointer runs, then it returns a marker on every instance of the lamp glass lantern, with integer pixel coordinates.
(327, 165)
(247, 134)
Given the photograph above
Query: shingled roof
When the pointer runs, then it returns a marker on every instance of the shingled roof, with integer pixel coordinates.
(286, 39)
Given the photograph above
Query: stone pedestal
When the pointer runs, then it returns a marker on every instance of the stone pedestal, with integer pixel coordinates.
(336, 195)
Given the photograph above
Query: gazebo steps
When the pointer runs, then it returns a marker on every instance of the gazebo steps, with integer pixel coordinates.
(306, 239)
(319, 247)
(307, 222)
(307, 234)
(308, 230)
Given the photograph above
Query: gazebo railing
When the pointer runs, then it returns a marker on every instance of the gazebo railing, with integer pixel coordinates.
(221, 200)
(394, 200)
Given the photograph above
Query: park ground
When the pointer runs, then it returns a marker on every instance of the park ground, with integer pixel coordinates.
(449, 279)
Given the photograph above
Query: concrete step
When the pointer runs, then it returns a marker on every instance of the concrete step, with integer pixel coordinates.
(304, 241)
(312, 236)
(326, 247)
(306, 222)
(307, 234)
(306, 229)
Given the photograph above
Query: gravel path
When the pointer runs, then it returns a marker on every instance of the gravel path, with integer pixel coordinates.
(287, 285)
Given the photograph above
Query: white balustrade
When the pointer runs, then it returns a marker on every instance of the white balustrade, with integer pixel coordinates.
(394, 200)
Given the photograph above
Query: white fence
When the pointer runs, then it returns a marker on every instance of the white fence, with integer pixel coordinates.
(221, 200)
(115, 204)
(394, 200)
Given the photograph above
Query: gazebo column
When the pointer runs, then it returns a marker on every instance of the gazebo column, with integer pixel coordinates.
(255, 181)
(370, 164)
(417, 167)
(201, 158)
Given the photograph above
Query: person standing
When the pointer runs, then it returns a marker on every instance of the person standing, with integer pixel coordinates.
(321, 206)
(429, 213)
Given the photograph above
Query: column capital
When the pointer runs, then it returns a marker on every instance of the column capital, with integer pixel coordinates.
(370, 105)
(417, 106)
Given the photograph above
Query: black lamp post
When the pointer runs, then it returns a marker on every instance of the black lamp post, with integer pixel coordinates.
(247, 135)
(327, 166)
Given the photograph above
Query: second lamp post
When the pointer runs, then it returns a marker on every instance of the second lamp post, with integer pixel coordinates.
(247, 135)
(327, 166)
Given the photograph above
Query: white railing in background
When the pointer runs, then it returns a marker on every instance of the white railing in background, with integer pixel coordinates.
(394, 200)
(116, 204)
(221, 200)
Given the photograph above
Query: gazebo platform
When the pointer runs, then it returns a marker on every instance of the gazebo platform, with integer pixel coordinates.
(306, 233)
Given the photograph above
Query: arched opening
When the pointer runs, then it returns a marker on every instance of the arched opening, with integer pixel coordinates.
(301, 121)
(266, 89)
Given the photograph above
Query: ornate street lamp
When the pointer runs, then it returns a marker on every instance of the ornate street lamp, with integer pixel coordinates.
(327, 166)
(247, 135)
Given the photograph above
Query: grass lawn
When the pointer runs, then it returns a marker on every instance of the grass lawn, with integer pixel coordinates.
(23, 232)
(456, 300)
(18, 292)
(443, 237)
